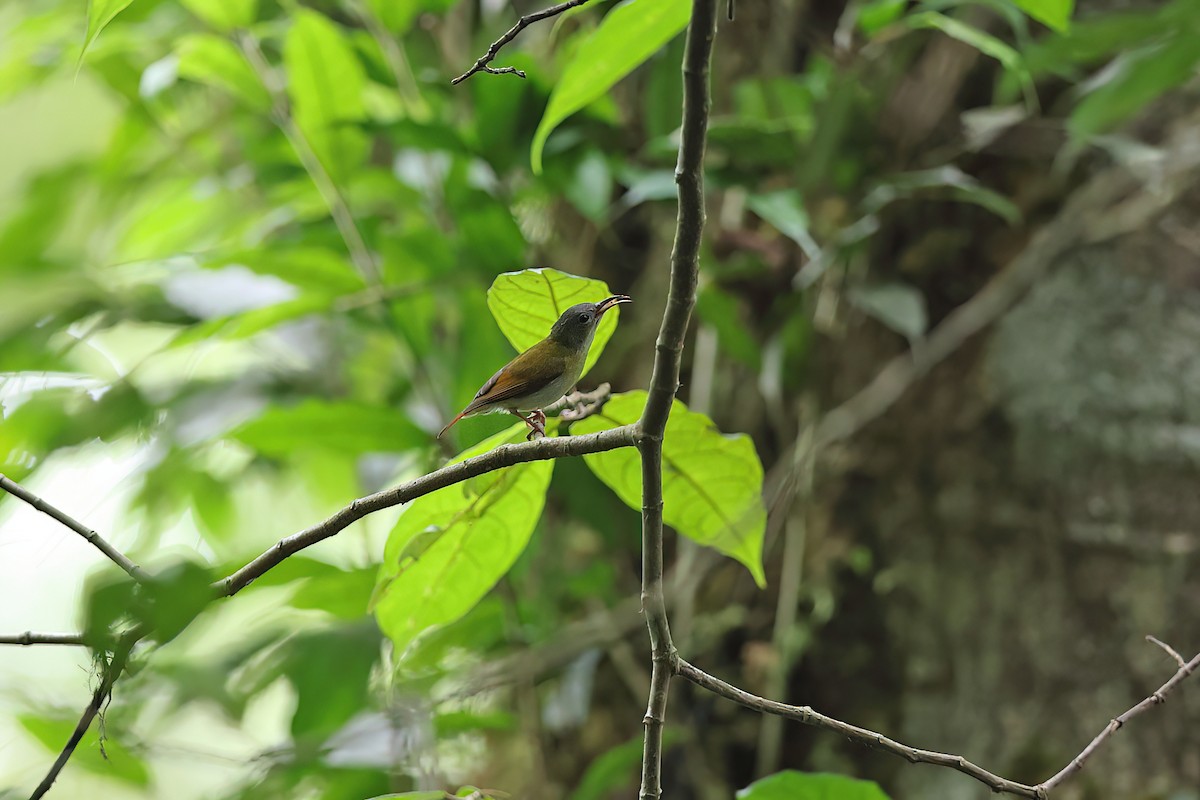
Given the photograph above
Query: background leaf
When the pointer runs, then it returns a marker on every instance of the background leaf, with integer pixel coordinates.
(792, 785)
(100, 13)
(712, 482)
(345, 427)
(1052, 13)
(627, 36)
(527, 303)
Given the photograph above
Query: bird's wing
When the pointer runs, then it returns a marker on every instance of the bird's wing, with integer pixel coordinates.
(521, 377)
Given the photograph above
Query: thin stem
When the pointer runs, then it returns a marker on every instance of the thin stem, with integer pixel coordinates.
(95, 539)
(481, 64)
(664, 381)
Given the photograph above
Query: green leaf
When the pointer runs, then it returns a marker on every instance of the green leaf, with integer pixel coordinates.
(1055, 14)
(100, 13)
(712, 482)
(344, 594)
(792, 785)
(527, 303)
(627, 36)
(785, 211)
(450, 547)
(224, 15)
(325, 78)
(948, 180)
(342, 427)
(256, 320)
(956, 29)
(897, 305)
(114, 762)
(617, 769)
(214, 61)
(330, 670)
(174, 597)
(1136, 79)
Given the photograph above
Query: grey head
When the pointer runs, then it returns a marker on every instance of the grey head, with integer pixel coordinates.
(577, 325)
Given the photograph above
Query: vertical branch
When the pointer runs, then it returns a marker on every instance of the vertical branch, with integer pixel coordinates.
(681, 297)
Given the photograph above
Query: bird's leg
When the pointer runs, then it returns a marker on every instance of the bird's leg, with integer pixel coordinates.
(536, 422)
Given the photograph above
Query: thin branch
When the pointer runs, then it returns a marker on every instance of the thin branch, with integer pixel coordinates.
(1159, 697)
(503, 456)
(111, 671)
(1171, 651)
(96, 540)
(481, 65)
(664, 381)
(29, 637)
(580, 405)
(806, 715)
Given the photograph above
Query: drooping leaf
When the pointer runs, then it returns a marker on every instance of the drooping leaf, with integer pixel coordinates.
(1051, 13)
(224, 14)
(100, 13)
(712, 482)
(982, 41)
(450, 547)
(785, 211)
(793, 785)
(897, 305)
(344, 427)
(527, 303)
(628, 35)
(214, 61)
(946, 180)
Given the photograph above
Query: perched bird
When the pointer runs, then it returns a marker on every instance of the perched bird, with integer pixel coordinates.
(544, 372)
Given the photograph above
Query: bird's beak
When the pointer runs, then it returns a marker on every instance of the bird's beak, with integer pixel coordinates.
(615, 300)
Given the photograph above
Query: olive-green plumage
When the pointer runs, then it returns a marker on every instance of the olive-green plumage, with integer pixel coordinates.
(544, 372)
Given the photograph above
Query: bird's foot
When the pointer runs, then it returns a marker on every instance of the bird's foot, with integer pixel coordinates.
(537, 424)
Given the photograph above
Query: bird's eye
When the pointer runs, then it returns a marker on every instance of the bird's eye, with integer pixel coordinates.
(585, 317)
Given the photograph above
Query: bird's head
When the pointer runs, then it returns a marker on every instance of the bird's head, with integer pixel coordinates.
(577, 325)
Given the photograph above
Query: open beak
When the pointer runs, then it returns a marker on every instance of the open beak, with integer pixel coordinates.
(615, 300)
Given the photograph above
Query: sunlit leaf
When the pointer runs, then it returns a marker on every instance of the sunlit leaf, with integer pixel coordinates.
(99, 14)
(627, 36)
(792, 785)
(224, 14)
(325, 78)
(712, 482)
(114, 762)
(344, 427)
(1052, 13)
(214, 61)
(527, 303)
(450, 547)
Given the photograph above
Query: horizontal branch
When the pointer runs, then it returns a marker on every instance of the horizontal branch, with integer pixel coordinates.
(96, 540)
(503, 456)
(481, 64)
(805, 715)
(29, 637)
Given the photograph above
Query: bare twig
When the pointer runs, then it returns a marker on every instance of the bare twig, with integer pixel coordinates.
(807, 716)
(580, 405)
(503, 456)
(1159, 697)
(1171, 651)
(96, 540)
(664, 381)
(481, 65)
(29, 637)
(111, 672)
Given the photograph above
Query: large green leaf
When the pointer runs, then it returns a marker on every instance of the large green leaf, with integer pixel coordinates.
(1052, 13)
(214, 61)
(344, 427)
(224, 14)
(712, 482)
(792, 785)
(450, 547)
(526, 303)
(628, 35)
(99, 14)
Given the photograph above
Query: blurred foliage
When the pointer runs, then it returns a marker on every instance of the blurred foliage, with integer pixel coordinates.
(272, 273)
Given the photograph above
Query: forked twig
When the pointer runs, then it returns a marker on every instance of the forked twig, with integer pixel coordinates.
(481, 64)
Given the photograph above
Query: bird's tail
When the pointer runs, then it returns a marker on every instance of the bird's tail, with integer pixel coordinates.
(450, 424)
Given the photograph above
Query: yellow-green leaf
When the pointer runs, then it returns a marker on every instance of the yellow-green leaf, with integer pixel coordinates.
(627, 36)
(99, 14)
(224, 14)
(792, 785)
(526, 303)
(214, 61)
(1055, 14)
(450, 547)
(712, 482)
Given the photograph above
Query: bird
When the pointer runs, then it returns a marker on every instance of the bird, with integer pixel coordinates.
(543, 373)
